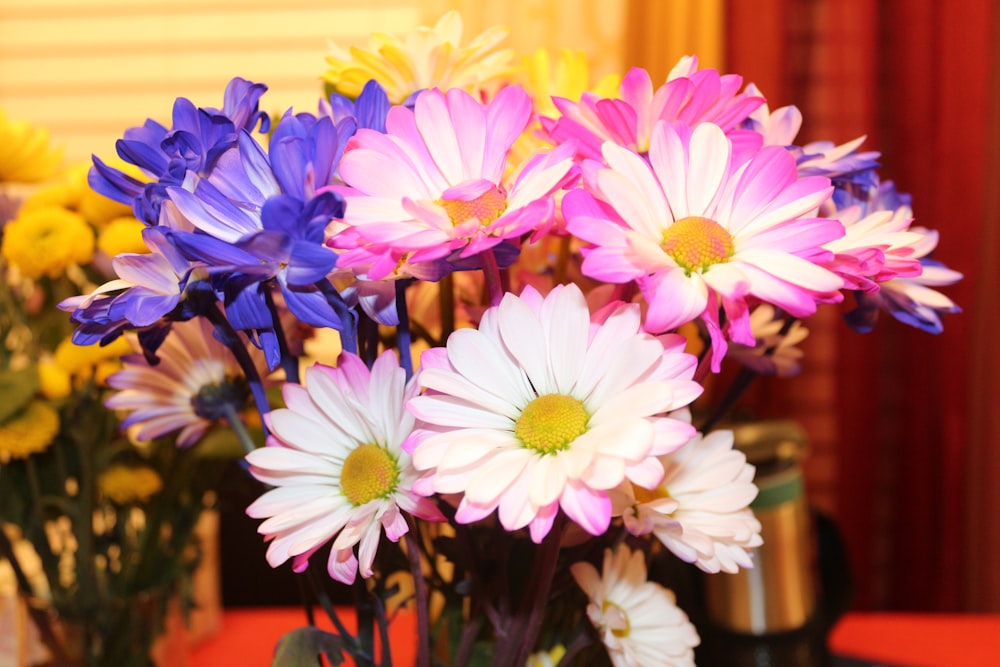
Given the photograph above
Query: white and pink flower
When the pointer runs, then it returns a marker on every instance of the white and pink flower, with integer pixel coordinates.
(438, 183)
(689, 95)
(543, 409)
(335, 459)
(706, 226)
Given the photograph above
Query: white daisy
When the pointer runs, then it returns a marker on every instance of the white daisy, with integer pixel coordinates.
(700, 510)
(334, 457)
(638, 620)
(541, 409)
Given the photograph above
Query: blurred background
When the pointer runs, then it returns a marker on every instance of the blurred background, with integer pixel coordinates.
(904, 426)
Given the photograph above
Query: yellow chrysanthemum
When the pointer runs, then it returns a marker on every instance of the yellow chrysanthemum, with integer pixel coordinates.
(122, 235)
(71, 191)
(124, 484)
(95, 207)
(53, 381)
(60, 193)
(81, 360)
(26, 153)
(28, 431)
(44, 241)
(569, 79)
(422, 58)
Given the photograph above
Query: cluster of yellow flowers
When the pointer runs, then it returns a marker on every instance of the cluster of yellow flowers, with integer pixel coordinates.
(59, 225)
(56, 227)
(26, 152)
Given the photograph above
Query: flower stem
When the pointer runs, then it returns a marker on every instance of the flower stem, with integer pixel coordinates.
(560, 276)
(744, 378)
(420, 593)
(403, 337)
(446, 302)
(239, 428)
(491, 272)
(525, 626)
(288, 362)
(331, 612)
(232, 340)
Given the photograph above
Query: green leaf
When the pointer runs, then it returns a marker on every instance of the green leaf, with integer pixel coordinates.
(16, 389)
(302, 646)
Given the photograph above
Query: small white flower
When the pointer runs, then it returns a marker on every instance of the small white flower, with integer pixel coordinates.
(638, 620)
(700, 510)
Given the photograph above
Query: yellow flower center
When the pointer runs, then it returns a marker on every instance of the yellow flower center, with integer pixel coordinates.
(487, 207)
(643, 496)
(550, 423)
(369, 472)
(697, 243)
(616, 620)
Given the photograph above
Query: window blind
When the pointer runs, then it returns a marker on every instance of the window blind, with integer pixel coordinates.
(88, 70)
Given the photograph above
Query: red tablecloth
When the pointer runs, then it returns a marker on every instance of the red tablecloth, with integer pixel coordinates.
(248, 638)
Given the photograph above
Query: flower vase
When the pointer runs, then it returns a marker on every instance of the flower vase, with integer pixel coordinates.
(147, 630)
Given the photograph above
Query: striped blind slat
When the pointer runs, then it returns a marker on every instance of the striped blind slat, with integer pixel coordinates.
(87, 70)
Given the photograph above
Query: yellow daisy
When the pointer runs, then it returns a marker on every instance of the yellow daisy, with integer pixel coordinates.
(45, 241)
(124, 484)
(422, 58)
(26, 153)
(28, 431)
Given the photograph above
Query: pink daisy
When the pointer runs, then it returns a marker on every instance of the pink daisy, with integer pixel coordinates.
(196, 378)
(875, 248)
(339, 473)
(704, 225)
(436, 184)
(689, 95)
(543, 408)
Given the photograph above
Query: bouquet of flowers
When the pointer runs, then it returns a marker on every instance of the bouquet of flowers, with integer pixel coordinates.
(95, 526)
(528, 291)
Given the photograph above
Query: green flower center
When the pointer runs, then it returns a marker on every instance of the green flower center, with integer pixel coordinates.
(697, 243)
(550, 423)
(369, 472)
(487, 207)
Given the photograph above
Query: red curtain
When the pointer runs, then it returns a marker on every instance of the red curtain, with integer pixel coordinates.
(900, 420)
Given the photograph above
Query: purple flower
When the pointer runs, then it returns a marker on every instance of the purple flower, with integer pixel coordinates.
(368, 110)
(258, 221)
(194, 143)
(152, 290)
